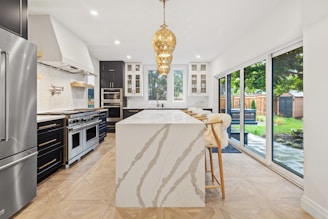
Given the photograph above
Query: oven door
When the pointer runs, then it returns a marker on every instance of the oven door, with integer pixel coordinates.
(114, 114)
(75, 142)
(91, 135)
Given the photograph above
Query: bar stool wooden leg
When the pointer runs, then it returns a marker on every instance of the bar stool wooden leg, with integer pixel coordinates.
(221, 173)
(211, 163)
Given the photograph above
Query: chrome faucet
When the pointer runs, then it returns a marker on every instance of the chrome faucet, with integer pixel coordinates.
(157, 105)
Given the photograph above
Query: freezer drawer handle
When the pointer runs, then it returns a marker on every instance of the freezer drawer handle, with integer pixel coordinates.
(18, 161)
(47, 164)
(48, 142)
(47, 126)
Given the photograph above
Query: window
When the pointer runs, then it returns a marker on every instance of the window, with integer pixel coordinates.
(287, 78)
(178, 85)
(233, 105)
(222, 95)
(255, 108)
(157, 86)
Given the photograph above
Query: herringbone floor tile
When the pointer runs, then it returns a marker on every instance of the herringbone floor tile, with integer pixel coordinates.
(87, 190)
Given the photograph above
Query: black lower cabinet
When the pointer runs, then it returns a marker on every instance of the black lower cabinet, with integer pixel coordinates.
(130, 112)
(50, 147)
(111, 127)
(102, 125)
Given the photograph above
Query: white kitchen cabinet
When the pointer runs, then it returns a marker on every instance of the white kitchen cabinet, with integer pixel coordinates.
(198, 82)
(133, 79)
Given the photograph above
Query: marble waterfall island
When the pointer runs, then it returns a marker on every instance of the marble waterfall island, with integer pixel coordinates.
(160, 160)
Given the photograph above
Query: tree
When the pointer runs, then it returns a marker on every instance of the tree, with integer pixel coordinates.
(253, 105)
(255, 78)
(287, 75)
(178, 84)
(288, 72)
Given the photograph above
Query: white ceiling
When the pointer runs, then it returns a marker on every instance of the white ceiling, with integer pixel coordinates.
(202, 27)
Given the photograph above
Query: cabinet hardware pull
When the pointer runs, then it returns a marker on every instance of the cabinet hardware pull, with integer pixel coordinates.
(133, 111)
(47, 164)
(45, 143)
(47, 126)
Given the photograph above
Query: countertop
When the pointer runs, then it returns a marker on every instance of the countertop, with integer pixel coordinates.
(160, 117)
(45, 118)
(161, 108)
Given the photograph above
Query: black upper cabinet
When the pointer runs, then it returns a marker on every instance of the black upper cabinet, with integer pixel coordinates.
(111, 74)
(13, 16)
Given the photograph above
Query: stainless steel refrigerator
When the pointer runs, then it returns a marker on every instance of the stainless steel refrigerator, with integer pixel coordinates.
(18, 128)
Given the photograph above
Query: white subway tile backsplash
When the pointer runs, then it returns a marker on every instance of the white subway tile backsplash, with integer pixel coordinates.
(69, 98)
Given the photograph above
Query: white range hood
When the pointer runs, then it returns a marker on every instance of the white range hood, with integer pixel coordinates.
(60, 48)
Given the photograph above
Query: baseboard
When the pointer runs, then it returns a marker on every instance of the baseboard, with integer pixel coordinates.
(313, 208)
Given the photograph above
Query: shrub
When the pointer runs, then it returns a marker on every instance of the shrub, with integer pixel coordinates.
(295, 145)
(260, 118)
(279, 121)
(298, 140)
(253, 105)
(296, 132)
(288, 143)
(280, 140)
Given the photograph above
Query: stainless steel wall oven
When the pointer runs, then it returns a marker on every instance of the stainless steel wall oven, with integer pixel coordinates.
(112, 100)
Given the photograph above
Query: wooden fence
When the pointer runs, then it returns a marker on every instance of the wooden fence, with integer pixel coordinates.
(259, 99)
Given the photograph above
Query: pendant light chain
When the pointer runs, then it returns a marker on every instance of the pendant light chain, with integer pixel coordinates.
(164, 11)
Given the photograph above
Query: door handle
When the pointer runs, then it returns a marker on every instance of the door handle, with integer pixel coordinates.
(4, 117)
(18, 161)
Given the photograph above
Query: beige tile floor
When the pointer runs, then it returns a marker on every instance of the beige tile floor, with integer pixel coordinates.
(87, 190)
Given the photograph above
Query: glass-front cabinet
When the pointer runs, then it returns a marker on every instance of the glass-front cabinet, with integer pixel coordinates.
(133, 79)
(198, 79)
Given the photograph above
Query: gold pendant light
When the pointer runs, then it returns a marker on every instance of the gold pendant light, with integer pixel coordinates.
(164, 42)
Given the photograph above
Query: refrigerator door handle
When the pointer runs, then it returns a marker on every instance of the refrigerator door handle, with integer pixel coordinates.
(17, 161)
(3, 96)
(4, 108)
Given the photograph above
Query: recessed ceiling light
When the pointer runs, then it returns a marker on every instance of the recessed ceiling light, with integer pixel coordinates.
(117, 42)
(94, 13)
(128, 57)
(198, 56)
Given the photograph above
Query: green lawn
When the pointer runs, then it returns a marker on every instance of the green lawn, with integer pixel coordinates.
(282, 125)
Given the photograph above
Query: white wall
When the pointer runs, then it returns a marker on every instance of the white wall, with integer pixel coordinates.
(315, 40)
(95, 63)
(281, 26)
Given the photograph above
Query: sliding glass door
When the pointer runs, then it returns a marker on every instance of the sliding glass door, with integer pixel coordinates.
(287, 126)
(255, 108)
(233, 105)
(271, 125)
